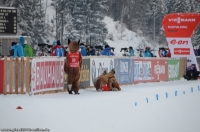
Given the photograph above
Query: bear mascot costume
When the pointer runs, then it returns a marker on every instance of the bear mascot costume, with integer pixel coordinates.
(107, 82)
(72, 66)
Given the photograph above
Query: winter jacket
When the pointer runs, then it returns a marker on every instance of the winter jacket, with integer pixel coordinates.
(131, 52)
(19, 50)
(106, 52)
(28, 50)
(92, 52)
(147, 53)
(83, 51)
(191, 69)
(58, 51)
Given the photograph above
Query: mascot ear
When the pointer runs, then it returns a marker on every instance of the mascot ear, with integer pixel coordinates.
(69, 41)
(79, 41)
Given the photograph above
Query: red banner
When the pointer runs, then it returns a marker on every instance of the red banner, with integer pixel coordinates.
(1, 76)
(160, 70)
(47, 75)
(180, 24)
(150, 70)
(179, 28)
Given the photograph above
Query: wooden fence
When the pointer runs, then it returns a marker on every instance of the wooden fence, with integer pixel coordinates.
(17, 75)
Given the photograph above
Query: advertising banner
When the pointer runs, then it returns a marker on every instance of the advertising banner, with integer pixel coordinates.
(123, 70)
(142, 70)
(47, 74)
(85, 73)
(173, 69)
(1, 76)
(178, 28)
(159, 70)
(98, 65)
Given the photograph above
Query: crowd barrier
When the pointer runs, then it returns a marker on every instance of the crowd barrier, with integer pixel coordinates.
(36, 75)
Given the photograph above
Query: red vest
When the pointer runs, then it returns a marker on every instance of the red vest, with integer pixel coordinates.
(74, 59)
(104, 87)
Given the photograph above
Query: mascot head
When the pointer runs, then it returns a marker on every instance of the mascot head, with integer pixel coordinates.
(73, 46)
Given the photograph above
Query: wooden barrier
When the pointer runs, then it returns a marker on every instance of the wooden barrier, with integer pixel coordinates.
(183, 66)
(17, 76)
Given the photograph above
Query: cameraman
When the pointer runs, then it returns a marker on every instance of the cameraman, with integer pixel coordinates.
(83, 51)
(131, 51)
(107, 51)
(147, 52)
(91, 51)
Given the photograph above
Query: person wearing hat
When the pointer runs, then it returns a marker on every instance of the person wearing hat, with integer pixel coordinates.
(19, 48)
(107, 51)
(131, 51)
(58, 49)
(91, 51)
(83, 51)
(191, 73)
(147, 52)
(28, 50)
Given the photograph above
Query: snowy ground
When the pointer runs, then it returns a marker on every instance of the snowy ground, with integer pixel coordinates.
(93, 111)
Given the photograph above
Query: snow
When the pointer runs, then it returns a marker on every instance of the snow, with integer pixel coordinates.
(123, 38)
(93, 111)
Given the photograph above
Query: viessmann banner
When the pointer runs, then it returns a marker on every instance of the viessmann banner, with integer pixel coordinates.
(179, 28)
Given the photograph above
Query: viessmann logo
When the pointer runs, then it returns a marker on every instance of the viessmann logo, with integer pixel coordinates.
(181, 51)
(179, 42)
(179, 20)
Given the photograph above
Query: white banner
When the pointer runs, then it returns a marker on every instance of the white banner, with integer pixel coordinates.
(47, 74)
(98, 65)
(182, 47)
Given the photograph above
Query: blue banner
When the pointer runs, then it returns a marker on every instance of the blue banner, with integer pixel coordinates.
(123, 70)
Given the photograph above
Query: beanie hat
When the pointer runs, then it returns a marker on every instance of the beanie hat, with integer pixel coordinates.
(107, 46)
(21, 39)
(54, 42)
(58, 43)
(82, 44)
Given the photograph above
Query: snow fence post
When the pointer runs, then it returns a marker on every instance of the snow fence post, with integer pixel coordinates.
(135, 103)
(176, 93)
(147, 100)
(156, 96)
(192, 89)
(166, 95)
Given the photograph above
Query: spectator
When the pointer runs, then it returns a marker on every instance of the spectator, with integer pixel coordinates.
(147, 52)
(83, 51)
(19, 48)
(28, 50)
(131, 51)
(198, 51)
(107, 51)
(191, 73)
(58, 49)
(91, 51)
(12, 49)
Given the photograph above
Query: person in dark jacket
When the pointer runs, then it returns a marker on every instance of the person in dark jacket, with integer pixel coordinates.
(83, 51)
(91, 51)
(107, 51)
(191, 73)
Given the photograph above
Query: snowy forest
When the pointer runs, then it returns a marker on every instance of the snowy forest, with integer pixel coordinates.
(82, 19)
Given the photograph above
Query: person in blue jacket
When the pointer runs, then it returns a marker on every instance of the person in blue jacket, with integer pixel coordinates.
(19, 48)
(91, 51)
(147, 52)
(83, 51)
(131, 51)
(107, 51)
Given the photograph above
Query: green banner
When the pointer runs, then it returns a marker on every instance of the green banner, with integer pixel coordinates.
(173, 69)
